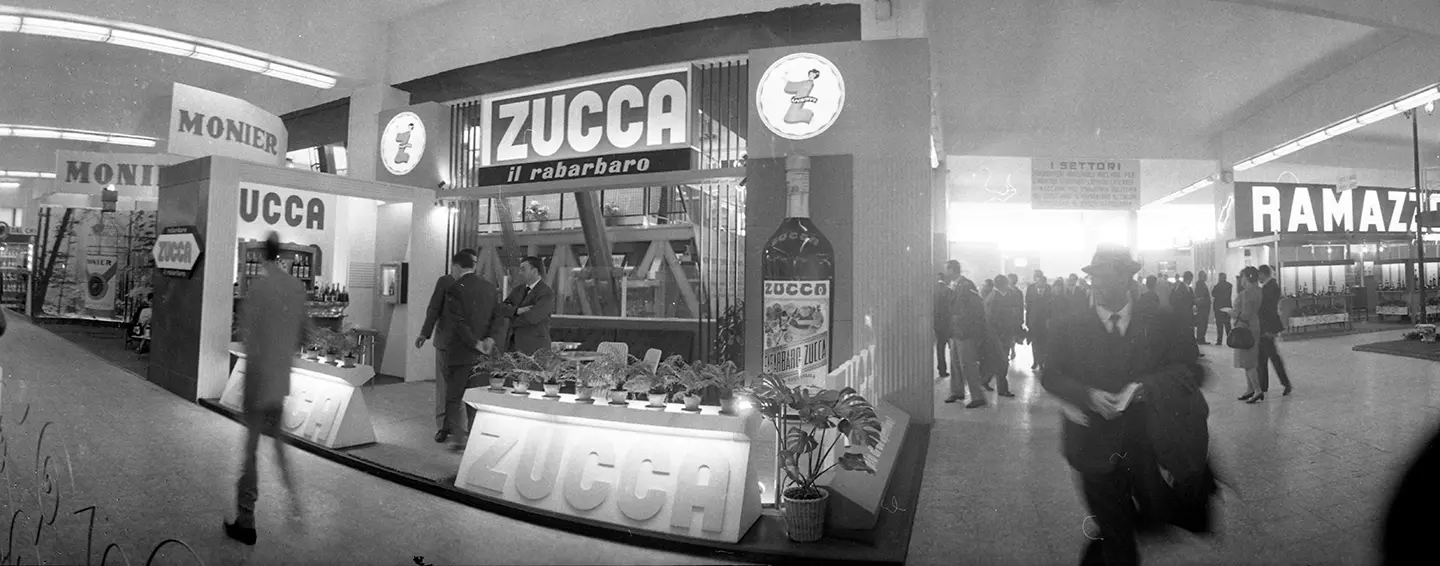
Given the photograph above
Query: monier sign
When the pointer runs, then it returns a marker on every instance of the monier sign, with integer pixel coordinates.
(636, 112)
(1266, 208)
(83, 172)
(204, 123)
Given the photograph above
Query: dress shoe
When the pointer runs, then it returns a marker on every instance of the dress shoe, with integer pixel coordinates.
(239, 533)
(1288, 389)
(988, 387)
(441, 435)
(1256, 399)
(1005, 394)
(954, 398)
(457, 444)
(1245, 397)
(976, 404)
(944, 375)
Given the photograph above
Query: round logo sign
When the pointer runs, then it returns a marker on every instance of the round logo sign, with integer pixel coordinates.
(800, 96)
(402, 143)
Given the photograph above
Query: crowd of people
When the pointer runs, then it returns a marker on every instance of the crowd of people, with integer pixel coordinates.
(978, 327)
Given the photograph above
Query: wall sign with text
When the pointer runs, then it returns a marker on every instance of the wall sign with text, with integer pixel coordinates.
(644, 111)
(1084, 184)
(85, 172)
(800, 96)
(204, 123)
(279, 209)
(676, 481)
(177, 250)
(679, 159)
(1289, 208)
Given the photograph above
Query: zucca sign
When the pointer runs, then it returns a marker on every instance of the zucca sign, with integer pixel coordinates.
(639, 112)
(1289, 208)
(291, 210)
(177, 250)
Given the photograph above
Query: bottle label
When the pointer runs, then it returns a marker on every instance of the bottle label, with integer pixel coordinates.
(797, 331)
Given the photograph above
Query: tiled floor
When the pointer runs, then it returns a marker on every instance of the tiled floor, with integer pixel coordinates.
(91, 455)
(1308, 475)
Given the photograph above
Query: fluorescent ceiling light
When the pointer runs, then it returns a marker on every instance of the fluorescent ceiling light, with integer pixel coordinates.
(23, 174)
(47, 175)
(9, 185)
(34, 133)
(1343, 127)
(1289, 149)
(137, 142)
(77, 136)
(1314, 138)
(227, 58)
(62, 28)
(1425, 96)
(1245, 165)
(152, 42)
(183, 46)
(1377, 115)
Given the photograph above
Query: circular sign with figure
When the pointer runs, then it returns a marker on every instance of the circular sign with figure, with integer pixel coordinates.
(402, 144)
(97, 286)
(800, 96)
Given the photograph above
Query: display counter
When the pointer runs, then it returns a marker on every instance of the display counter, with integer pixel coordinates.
(325, 405)
(1314, 312)
(665, 471)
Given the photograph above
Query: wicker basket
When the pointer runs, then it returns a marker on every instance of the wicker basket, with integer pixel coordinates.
(805, 518)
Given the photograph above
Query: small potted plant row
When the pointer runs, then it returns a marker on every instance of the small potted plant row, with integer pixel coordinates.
(330, 347)
(616, 380)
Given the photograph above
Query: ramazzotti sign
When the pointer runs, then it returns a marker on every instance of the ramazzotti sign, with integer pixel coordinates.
(639, 112)
(1266, 208)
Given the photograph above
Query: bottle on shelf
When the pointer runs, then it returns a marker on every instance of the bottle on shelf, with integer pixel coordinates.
(798, 266)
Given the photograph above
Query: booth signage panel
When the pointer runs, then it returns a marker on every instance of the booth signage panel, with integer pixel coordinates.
(414, 145)
(285, 210)
(204, 123)
(800, 96)
(321, 408)
(866, 493)
(646, 110)
(1288, 208)
(89, 173)
(177, 250)
(679, 159)
(100, 282)
(1084, 184)
(671, 481)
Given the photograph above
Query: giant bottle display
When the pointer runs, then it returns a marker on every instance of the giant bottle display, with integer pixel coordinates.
(799, 274)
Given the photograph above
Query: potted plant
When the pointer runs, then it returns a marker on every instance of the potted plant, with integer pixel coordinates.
(523, 370)
(691, 379)
(336, 346)
(552, 371)
(612, 213)
(598, 377)
(314, 341)
(496, 368)
(826, 417)
(727, 380)
(536, 216)
(350, 352)
(651, 383)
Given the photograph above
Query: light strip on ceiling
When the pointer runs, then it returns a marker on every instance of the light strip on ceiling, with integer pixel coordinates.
(1410, 102)
(28, 174)
(43, 132)
(1192, 187)
(9, 185)
(182, 46)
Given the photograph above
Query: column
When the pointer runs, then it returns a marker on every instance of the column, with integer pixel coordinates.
(362, 145)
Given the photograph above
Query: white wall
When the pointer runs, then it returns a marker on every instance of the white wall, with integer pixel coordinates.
(392, 228)
(466, 32)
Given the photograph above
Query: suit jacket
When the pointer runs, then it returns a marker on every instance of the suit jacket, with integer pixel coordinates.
(1221, 292)
(274, 317)
(1038, 313)
(1005, 312)
(1085, 356)
(434, 313)
(1182, 299)
(942, 296)
(472, 313)
(1202, 298)
(967, 316)
(1270, 322)
(530, 332)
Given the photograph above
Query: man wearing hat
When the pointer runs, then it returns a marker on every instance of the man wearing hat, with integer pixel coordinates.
(1124, 369)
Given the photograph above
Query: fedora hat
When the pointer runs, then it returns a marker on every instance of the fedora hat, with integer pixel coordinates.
(1112, 259)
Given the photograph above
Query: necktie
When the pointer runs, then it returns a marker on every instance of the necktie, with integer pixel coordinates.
(1115, 324)
(523, 294)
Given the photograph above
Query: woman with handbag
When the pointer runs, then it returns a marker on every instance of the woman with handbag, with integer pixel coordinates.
(1246, 328)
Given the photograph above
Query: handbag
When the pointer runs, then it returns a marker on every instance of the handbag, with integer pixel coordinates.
(1240, 338)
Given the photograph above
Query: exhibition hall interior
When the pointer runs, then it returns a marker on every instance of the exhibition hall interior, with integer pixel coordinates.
(750, 282)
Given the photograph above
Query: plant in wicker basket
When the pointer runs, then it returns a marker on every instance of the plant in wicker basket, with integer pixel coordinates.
(808, 449)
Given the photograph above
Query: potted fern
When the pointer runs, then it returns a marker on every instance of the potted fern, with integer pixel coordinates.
(652, 383)
(552, 371)
(728, 381)
(691, 379)
(597, 377)
(537, 216)
(523, 370)
(496, 368)
(612, 213)
(808, 450)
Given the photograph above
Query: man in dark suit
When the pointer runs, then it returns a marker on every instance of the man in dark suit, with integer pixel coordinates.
(433, 326)
(1222, 293)
(476, 323)
(529, 308)
(1094, 359)
(1270, 327)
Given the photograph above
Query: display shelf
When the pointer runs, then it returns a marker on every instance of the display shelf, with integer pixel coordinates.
(302, 261)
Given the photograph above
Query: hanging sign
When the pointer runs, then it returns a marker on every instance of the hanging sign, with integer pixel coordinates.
(800, 96)
(89, 173)
(204, 123)
(1084, 184)
(402, 144)
(679, 159)
(1287, 208)
(643, 111)
(177, 250)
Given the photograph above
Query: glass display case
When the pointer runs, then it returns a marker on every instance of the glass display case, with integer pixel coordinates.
(17, 263)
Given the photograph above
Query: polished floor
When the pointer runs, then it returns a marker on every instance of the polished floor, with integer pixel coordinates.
(1309, 475)
(99, 462)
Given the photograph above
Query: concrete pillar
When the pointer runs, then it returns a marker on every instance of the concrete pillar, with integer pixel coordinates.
(894, 19)
(362, 145)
